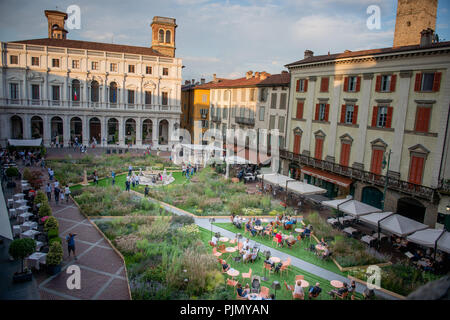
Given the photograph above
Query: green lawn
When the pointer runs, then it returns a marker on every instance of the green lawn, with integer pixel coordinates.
(257, 269)
(120, 182)
(296, 251)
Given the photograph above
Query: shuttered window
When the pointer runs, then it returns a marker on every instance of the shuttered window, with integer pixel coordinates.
(299, 114)
(423, 115)
(416, 169)
(377, 160)
(345, 154)
(297, 141)
(318, 148)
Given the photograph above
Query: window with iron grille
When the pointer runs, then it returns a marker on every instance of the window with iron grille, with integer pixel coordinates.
(35, 61)
(76, 64)
(14, 59)
(131, 68)
(382, 116)
(349, 111)
(55, 63)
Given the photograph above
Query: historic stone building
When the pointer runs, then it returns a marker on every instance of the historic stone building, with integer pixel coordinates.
(349, 110)
(62, 90)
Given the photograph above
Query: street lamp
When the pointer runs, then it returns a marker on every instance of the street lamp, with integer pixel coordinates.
(211, 221)
(267, 253)
(276, 286)
(387, 175)
(227, 175)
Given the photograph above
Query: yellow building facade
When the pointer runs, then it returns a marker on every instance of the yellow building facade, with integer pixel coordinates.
(195, 110)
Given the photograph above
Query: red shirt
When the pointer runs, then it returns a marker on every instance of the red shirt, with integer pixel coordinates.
(278, 236)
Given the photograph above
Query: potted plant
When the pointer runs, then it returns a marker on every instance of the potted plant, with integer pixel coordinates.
(45, 210)
(54, 258)
(51, 224)
(11, 172)
(20, 249)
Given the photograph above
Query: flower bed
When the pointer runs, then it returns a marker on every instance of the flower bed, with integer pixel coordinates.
(211, 194)
(70, 171)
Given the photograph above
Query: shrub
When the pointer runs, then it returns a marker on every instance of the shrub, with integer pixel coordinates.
(27, 174)
(51, 223)
(54, 239)
(12, 172)
(40, 198)
(55, 254)
(45, 210)
(21, 248)
(52, 233)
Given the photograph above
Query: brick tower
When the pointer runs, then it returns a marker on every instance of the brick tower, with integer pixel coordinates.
(163, 35)
(413, 16)
(56, 22)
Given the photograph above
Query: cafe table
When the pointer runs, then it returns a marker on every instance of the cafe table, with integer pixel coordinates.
(19, 196)
(27, 225)
(304, 283)
(367, 239)
(24, 217)
(320, 247)
(29, 234)
(349, 230)
(299, 230)
(275, 259)
(337, 284)
(254, 296)
(35, 260)
(223, 239)
(233, 273)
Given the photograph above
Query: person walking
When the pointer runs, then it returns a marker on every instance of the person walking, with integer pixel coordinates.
(130, 169)
(48, 190)
(67, 192)
(146, 190)
(57, 192)
(71, 244)
(113, 177)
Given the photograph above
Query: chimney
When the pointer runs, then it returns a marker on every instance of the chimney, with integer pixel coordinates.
(249, 74)
(257, 74)
(284, 71)
(426, 37)
(347, 51)
(308, 54)
(214, 77)
(193, 81)
(264, 75)
(202, 80)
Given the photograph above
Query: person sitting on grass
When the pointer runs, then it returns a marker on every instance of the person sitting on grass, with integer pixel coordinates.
(258, 222)
(214, 239)
(237, 222)
(314, 291)
(290, 241)
(241, 291)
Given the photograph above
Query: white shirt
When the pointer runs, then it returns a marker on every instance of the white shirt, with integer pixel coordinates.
(214, 240)
(56, 185)
(298, 289)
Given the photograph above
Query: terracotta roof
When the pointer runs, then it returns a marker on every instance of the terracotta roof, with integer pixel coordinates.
(352, 54)
(283, 78)
(231, 83)
(88, 45)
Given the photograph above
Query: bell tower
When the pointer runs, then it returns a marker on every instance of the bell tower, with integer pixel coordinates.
(163, 35)
(413, 16)
(56, 21)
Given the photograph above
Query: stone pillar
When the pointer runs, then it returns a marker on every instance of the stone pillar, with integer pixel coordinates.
(155, 132)
(26, 125)
(85, 131)
(121, 131)
(45, 93)
(138, 132)
(5, 129)
(104, 133)
(66, 130)
(64, 92)
(47, 128)
(308, 114)
(334, 112)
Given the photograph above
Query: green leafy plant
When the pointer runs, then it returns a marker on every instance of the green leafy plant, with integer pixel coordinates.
(21, 248)
(45, 210)
(40, 198)
(12, 172)
(27, 174)
(52, 233)
(55, 254)
(51, 223)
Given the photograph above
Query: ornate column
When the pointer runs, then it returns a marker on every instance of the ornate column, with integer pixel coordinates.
(309, 115)
(138, 131)
(155, 133)
(26, 126)
(66, 130)
(47, 128)
(121, 131)
(103, 130)
(85, 131)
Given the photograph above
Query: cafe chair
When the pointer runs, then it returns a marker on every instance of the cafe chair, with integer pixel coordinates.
(231, 282)
(264, 292)
(288, 287)
(247, 275)
(299, 277)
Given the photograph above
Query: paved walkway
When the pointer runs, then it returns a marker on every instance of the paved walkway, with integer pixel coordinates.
(299, 263)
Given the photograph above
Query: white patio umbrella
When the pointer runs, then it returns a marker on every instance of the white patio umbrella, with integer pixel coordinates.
(444, 242)
(275, 178)
(236, 160)
(352, 207)
(426, 238)
(401, 226)
(374, 218)
(304, 188)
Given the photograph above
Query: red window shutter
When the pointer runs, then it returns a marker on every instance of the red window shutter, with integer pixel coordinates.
(345, 154)
(317, 112)
(327, 111)
(319, 145)
(437, 81)
(419, 122)
(358, 84)
(378, 84)
(355, 115)
(390, 110)
(298, 86)
(416, 170)
(299, 110)
(305, 88)
(324, 84)
(393, 81)
(423, 119)
(374, 116)
(377, 159)
(418, 82)
(345, 84)
(297, 140)
(343, 113)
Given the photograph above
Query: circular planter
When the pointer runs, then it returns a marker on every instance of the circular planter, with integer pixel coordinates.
(22, 276)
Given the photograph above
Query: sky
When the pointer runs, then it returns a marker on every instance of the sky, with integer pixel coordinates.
(225, 37)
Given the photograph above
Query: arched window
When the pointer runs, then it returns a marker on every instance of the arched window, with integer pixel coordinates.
(113, 92)
(168, 36)
(76, 92)
(161, 35)
(94, 91)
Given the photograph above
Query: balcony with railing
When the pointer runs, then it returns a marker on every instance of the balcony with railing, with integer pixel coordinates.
(361, 175)
(246, 121)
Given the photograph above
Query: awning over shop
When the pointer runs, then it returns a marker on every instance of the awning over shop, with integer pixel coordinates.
(373, 218)
(236, 160)
(275, 178)
(25, 143)
(330, 177)
(394, 223)
(5, 225)
(352, 207)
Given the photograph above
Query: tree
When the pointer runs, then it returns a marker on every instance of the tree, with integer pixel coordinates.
(21, 248)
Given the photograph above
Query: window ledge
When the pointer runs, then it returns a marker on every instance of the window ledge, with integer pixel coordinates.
(297, 119)
(321, 121)
(348, 125)
(381, 129)
(427, 134)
